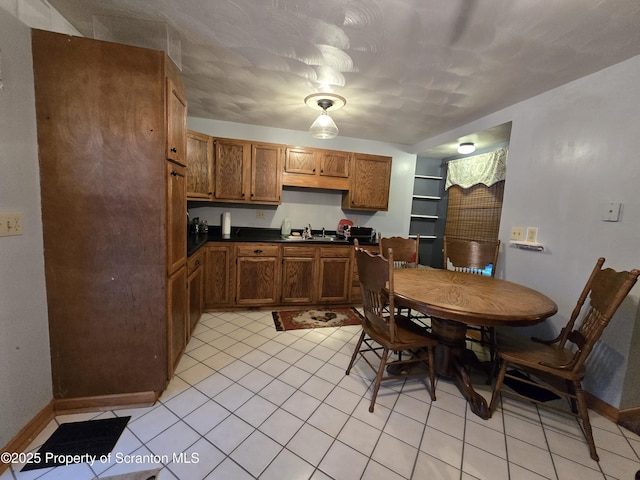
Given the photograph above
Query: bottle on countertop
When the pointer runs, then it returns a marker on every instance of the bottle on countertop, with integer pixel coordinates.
(285, 231)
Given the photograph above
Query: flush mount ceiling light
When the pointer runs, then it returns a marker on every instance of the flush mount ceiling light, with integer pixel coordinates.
(467, 147)
(324, 127)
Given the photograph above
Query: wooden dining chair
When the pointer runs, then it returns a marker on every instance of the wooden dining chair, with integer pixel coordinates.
(405, 255)
(405, 250)
(480, 258)
(384, 331)
(558, 365)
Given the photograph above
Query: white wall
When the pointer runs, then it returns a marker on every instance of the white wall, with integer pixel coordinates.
(25, 375)
(572, 150)
(320, 208)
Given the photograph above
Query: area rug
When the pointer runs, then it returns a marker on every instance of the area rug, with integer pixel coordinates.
(79, 442)
(142, 475)
(531, 391)
(297, 319)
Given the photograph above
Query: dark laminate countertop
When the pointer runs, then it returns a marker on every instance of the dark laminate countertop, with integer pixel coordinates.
(249, 234)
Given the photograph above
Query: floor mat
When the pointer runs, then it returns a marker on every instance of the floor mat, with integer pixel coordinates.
(79, 442)
(531, 391)
(142, 475)
(296, 319)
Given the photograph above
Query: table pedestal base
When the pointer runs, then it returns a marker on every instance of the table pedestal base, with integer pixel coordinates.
(451, 358)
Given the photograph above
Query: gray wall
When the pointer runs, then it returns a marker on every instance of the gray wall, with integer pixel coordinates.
(25, 375)
(572, 150)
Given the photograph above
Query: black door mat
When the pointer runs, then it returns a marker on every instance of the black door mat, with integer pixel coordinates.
(531, 391)
(79, 442)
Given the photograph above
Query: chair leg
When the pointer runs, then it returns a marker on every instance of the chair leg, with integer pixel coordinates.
(355, 352)
(376, 386)
(432, 373)
(497, 387)
(584, 416)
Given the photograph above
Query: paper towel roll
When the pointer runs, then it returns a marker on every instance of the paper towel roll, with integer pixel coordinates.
(226, 224)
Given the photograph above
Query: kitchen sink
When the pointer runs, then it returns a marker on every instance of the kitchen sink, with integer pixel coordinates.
(317, 239)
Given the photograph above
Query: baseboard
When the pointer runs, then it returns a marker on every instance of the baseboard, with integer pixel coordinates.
(104, 402)
(29, 432)
(602, 407)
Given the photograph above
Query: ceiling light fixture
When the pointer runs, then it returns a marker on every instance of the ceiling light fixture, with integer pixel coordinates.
(324, 127)
(467, 147)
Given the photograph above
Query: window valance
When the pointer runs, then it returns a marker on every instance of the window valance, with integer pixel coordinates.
(487, 168)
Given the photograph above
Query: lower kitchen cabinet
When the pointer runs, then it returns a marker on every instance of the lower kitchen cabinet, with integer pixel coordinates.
(334, 274)
(257, 274)
(177, 296)
(267, 275)
(195, 283)
(218, 275)
(299, 271)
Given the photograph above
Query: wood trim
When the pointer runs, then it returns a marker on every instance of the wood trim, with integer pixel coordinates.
(104, 402)
(28, 433)
(602, 407)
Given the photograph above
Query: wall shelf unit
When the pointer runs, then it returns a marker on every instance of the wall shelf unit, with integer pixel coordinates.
(427, 213)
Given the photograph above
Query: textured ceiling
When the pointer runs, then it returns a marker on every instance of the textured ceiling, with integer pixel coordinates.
(409, 69)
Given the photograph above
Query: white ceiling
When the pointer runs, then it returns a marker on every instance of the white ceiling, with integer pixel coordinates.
(409, 69)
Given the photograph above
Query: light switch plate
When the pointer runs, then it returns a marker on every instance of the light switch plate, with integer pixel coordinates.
(517, 234)
(611, 212)
(532, 234)
(10, 223)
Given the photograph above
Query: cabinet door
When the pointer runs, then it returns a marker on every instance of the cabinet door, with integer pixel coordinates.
(370, 178)
(300, 160)
(218, 276)
(177, 321)
(232, 170)
(176, 124)
(334, 280)
(176, 217)
(299, 270)
(257, 274)
(334, 163)
(195, 283)
(266, 171)
(199, 166)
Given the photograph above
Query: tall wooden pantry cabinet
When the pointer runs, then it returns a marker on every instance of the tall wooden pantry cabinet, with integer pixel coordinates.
(112, 141)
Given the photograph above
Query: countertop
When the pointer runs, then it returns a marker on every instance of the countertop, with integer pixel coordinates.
(271, 235)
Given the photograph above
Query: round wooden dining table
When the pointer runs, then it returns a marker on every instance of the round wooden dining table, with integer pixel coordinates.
(454, 300)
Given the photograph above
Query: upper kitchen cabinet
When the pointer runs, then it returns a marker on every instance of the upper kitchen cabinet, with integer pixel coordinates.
(104, 125)
(246, 172)
(370, 178)
(316, 168)
(176, 123)
(199, 166)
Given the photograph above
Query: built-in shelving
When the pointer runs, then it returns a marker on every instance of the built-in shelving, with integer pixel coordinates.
(427, 208)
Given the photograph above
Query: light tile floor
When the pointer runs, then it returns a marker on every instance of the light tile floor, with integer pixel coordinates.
(250, 402)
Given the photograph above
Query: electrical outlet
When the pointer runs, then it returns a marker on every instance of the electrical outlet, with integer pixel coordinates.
(260, 214)
(10, 224)
(517, 234)
(532, 234)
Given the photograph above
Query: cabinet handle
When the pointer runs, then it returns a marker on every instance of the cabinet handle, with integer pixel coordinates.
(174, 173)
(314, 170)
(174, 150)
(257, 251)
(197, 263)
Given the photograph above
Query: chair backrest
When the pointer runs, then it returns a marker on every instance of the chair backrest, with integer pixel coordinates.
(471, 256)
(606, 290)
(376, 286)
(405, 250)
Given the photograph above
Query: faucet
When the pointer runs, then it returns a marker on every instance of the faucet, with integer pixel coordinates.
(323, 232)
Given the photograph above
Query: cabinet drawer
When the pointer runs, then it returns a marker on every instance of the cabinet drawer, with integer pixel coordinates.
(335, 251)
(257, 250)
(194, 262)
(293, 251)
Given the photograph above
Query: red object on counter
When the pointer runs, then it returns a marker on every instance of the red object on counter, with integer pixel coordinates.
(343, 223)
